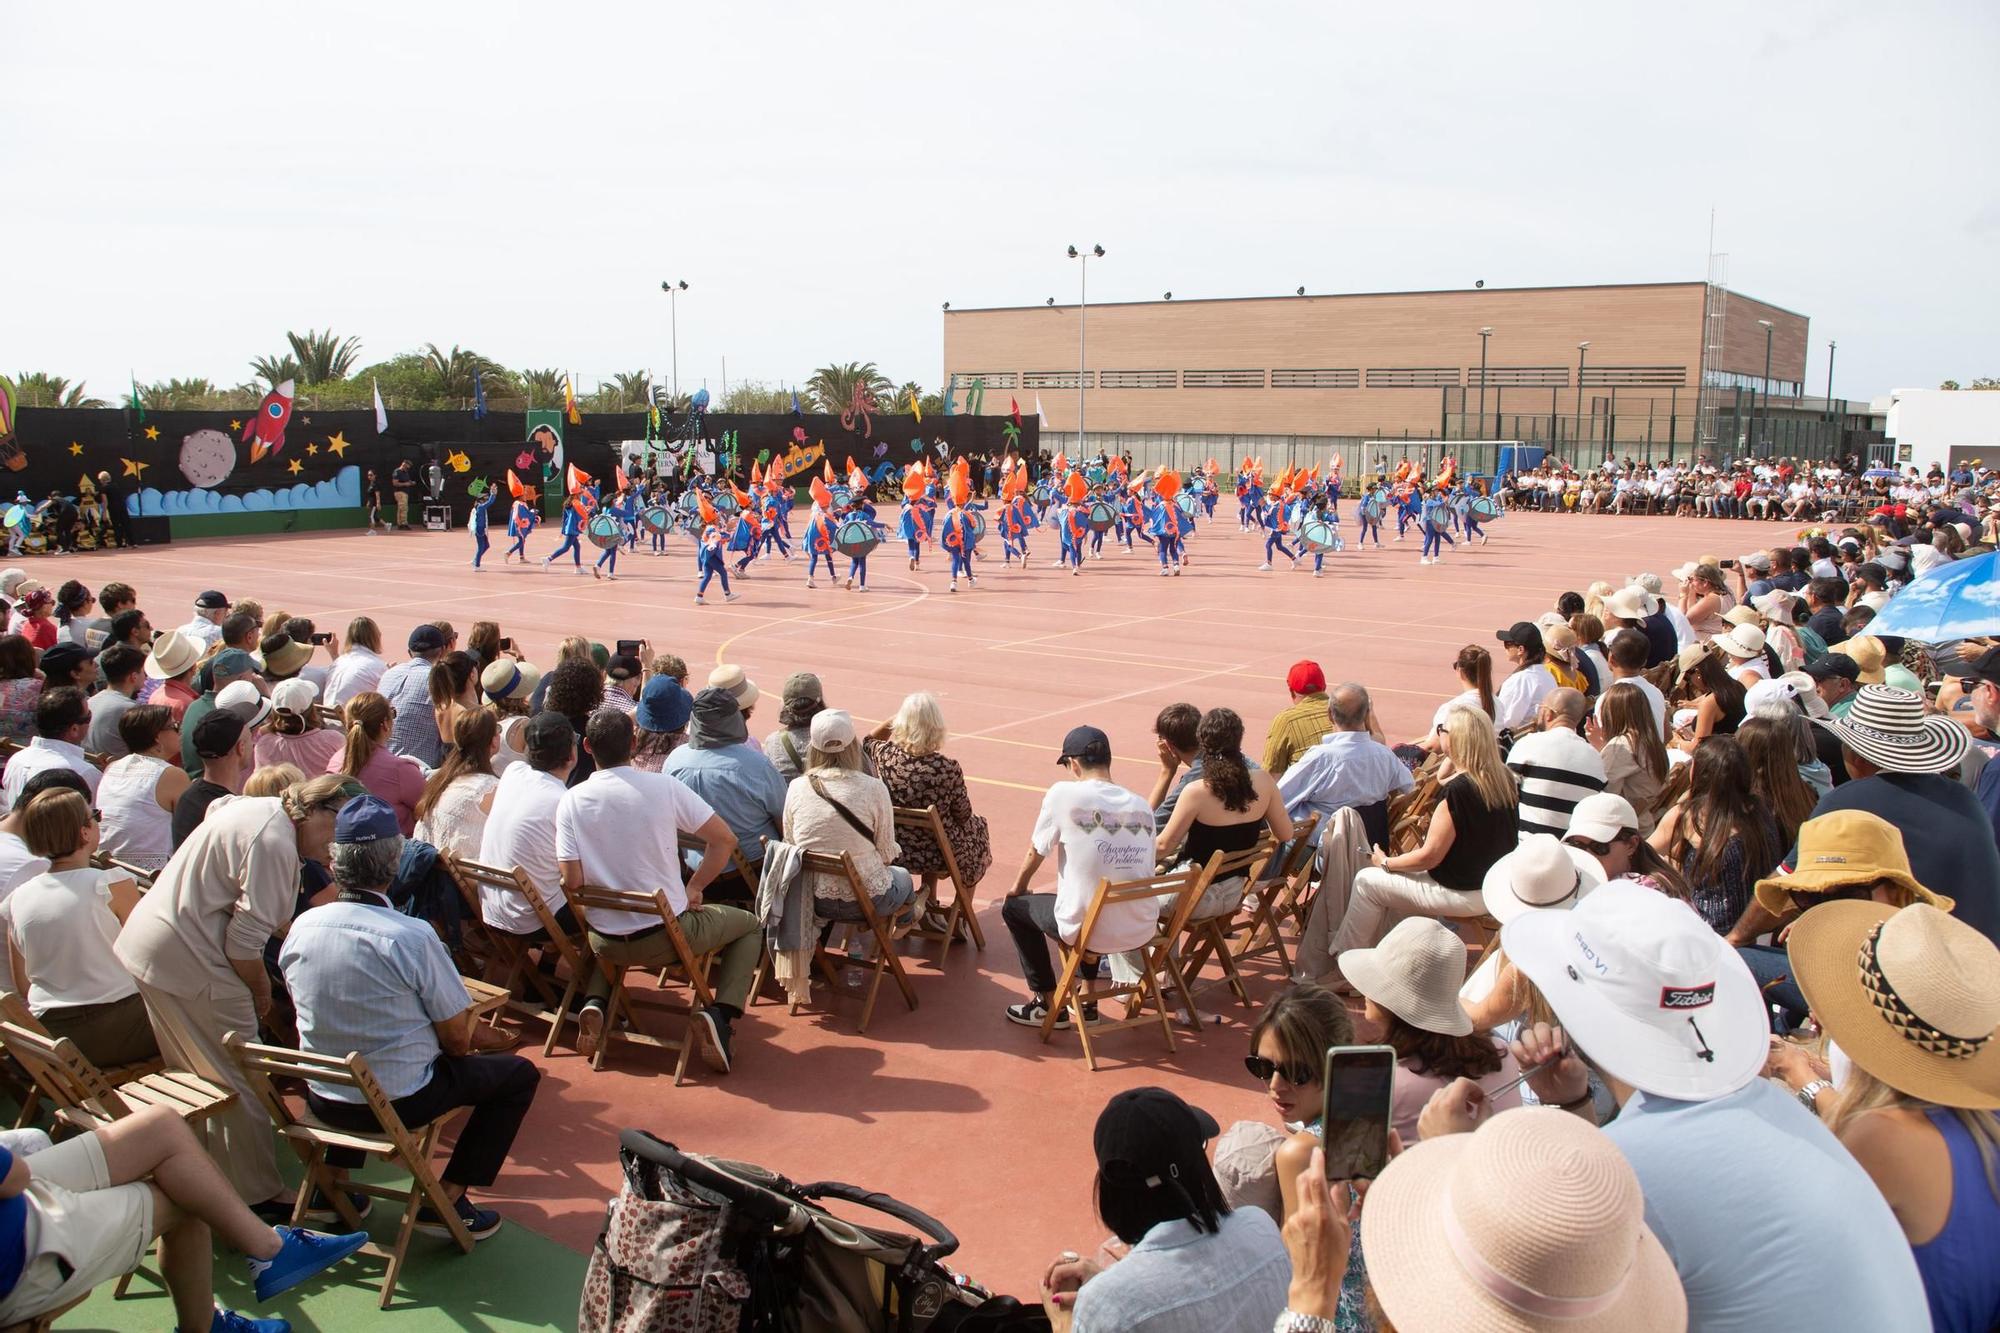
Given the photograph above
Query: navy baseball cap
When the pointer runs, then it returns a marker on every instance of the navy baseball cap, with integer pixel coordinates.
(365, 819)
(1086, 745)
(426, 639)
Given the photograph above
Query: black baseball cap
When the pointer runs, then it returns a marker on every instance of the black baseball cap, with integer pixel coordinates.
(64, 656)
(217, 733)
(623, 667)
(1839, 666)
(1144, 1131)
(1522, 632)
(1985, 667)
(212, 601)
(426, 639)
(1086, 745)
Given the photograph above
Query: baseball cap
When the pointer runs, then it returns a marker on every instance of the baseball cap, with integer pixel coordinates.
(1833, 666)
(1522, 632)
(1305, 678)
(244, 699)
(212, 601)
(546, 728)
(1651, 994)
(1601, 816)
(803, 685)
(293, 696)
(1985, 667)
(217, 733)
(832, 730)
(232, 662)
(426, 639)
(63, 656)
(365, 819)
(664, 706)
(1088, 745)
(1143, 1132)
(1771, 690)
(623, 667)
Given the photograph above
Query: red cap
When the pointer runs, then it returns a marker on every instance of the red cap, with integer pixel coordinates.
(1305, 678)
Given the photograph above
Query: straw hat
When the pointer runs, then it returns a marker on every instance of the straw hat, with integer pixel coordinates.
(1744, 615)
(1742, 643)
(1911, 996)
(1866, 652)
(173, 653)
(1889, 728)
(1845, 849)
(505, 678)
(1542, 872)
(1628, 604)
(732, 679)
(1776, 605)
(1533, 1221)
(1414, 973)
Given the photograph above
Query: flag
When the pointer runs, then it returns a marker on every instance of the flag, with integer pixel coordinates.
(916, 408)
(569, 401)
(138, 408)
(381, 412)
(619, 479)
(796, 414)
(1014, 411)
(478, 397)
(1041, 417)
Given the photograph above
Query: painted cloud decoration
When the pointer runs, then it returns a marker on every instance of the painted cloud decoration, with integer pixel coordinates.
(343, 491)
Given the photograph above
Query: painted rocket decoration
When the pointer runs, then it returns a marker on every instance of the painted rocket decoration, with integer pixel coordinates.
(265, 432)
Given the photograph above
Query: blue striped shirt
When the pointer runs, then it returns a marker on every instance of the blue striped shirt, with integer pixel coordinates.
(407, 687)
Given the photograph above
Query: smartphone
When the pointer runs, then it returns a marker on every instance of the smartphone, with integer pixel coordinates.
(628, 648)
(507, 644)
(1726, 564)
(1358, 1089)
(322, 636)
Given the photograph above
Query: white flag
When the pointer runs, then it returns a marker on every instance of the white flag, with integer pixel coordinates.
(381, 412)
(1039, 415)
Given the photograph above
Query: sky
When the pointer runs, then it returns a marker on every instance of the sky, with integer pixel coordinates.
(191, 181)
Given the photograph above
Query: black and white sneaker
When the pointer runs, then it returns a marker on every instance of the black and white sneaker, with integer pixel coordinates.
(1032, 1014)
(712, 1031)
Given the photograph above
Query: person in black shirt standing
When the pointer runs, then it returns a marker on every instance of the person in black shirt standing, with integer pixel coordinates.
(402, 482)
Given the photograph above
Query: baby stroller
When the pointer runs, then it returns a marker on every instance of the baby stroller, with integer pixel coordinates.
(702, 1245)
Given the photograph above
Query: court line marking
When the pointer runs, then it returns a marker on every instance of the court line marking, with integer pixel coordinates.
(923, 594)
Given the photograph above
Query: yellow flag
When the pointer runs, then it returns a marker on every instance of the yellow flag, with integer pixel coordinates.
(916, 408)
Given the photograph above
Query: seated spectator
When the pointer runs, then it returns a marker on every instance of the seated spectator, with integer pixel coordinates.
(453, 684)
(1667, 1012)
(662, 717)
(1715, 696)
(1719, 836)
(1475, 823)
(1117, 846)
(77, 613)
(573, 647)
(1409, 987)
(367, 979)
(1743, 645)
(622, 676)
(908, 755)
(224, 742)
(62, 719)
(1779, 609)
(293, 736)
(803, 697)
(407, 687)
(67, 664)
(61, 926)
(451, 813)
(1625, 656)
(1771, 746)
(1474, 668)
(1555, 767)
(1529, 682)
(140, 791)
(1631, 609)
(732, 776)
(358, 669)
(20, 688)
(520, 830)
(1194, 1262)
(275, 780)
(483, 642)
(223, 670)
(131, 628)
(366, 756)
(281, 658)
(1902, 993)
(1564, 660)
(575, 688)
(96, 1202)
(243, 627)
(621, 829)
(1635, 762)
(1298, 727)
(38, 624)
(18, 865)
(302, 631)
(1827, 599)
(171, 663)
(124, 670)
(1349, 768)
(1226, 811)
(507, 684)
(834, 808)
(733, 681)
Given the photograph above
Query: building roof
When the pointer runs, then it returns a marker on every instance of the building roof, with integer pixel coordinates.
(1343, 296)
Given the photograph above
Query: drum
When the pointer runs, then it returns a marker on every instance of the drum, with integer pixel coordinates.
(1044, 492)
(16, 517)
(976, 522)
(1437, 513)
(1484, 508)
(656, 519)
(1371, 508)
(839, 494)
(1316, 534)
(855, 538)
(604, 531)
(1187, 504)
(1094, 475)
(1100, 516)
(725, 503)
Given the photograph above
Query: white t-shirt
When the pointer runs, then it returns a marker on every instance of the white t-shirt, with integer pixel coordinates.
(1520, 695)
(623, 824)
(521, 831)
(1470, 699)
(1098, 831)
(18, 865)
(1645, 687)
(64, 924)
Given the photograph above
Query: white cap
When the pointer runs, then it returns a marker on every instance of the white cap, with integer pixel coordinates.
(296, 695)
(244, 699)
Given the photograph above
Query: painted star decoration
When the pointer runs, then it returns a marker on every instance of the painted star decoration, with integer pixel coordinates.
(337, 446)
(295, 467)
(134, 468)
(235, 425)
(311, 449)
(75, 449)
(152, 432)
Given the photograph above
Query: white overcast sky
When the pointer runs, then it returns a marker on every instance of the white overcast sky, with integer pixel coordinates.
(188, 181)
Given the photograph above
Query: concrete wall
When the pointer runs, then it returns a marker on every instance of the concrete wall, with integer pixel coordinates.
(1934, 422)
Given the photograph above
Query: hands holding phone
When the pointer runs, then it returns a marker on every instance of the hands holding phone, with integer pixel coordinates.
(1551, 1071)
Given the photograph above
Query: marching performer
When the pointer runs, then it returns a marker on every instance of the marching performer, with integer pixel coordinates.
(1436, 516)
(520, 522)
(476, 523)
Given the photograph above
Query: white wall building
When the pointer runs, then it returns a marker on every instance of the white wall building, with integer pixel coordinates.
(1942, 426)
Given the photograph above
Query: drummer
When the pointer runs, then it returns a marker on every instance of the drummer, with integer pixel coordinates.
(520, 522)
(775, 528)
(959, 540)
(913, 525)
(1321, 522)
(1272, 516)
(1373, 500)
(1436, 515)
(710, 561)
(581, 502)
(859, 511)
(621, 512)
(1471, 506)
(1163, 530)
(819, 544)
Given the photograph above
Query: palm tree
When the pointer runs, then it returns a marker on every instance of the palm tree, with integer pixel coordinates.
(632, 387)
(323, 356)
(451, 372)
(542, 387)
(754, 396)
(37, 388)
(905, 392)
(178, 394)
(275, 370)
(832, 387)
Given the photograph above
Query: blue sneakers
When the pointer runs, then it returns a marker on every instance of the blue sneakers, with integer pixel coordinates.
(229, 1321)
(305, 1253)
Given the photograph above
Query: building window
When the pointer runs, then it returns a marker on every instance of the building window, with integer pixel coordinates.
(1138, 379)
(1315, 379)
(1662, 377)
(995, 379)
(1222, 379)
(1414, 377)
(1520, 377)
(1056, 379)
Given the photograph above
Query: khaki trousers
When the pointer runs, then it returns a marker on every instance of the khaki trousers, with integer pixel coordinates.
(239, 1138)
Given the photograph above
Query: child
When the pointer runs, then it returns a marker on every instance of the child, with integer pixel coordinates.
(819, 545)
(710, 562)
(476, 522)
(958, 543)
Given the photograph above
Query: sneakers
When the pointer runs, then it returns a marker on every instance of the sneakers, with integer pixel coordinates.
(481, 1222)
(1031, 1014)
(229, 1321)
(320, 1208)
(699, 600)
(1264, 568)
(731, 596)
(953, 587)
(712, 1030)
(303, 1254)
(590, 1023)
(811, 584)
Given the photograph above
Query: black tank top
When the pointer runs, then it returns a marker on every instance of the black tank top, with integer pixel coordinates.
(1204, 840)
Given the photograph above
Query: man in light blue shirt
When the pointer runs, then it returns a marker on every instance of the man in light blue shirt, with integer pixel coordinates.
(739, 783)
(407, 687)
(1349, 767)
(367, 979)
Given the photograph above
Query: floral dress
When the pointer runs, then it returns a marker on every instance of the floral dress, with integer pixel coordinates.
(918, 780)
(17, 707)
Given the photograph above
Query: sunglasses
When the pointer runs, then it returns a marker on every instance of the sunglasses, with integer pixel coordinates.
(1295, 1074)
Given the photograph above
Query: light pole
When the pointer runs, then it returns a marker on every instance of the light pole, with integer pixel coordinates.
(1581, 348)
(1484, 334)
(673, 291)
(1829, 378)
(1082, 258)
(1765, 415)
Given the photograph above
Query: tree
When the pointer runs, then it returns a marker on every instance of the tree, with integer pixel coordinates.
(451, 372)
(1986, 382)
(193, 395)
(275, 370)
(629, 389)
(832, 387)
(39, 389)
(752, 396)
(1949, 384)
(542, 388)
(900, 400)
(322, 356)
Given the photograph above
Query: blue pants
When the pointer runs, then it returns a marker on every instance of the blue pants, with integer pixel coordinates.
(773, 537)
(748, 556)
(1208, 504)
(1435, 540)
(479, 548)
(1008, 550)
(520, 546)
(1168, 549)
(1319, 561)
(568, 544)
(1368, 527)
(961, 562)
(813, 564)
(1472, 528)
(659, 542)
(1403, 517)
(858, 571)
(708, 572)
(1097, 543)
(1070, 555)
(610, 557)
(1276, 541)
(915, 554)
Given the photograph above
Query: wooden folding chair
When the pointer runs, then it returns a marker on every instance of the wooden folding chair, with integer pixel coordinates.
(14, 1009)
(1279, 897)
(511, 951)
(960, 916)
(693, 966)
(327, 718)
(86, 1098)
(408, 1147)
(886, 934)
(142, 877)
(1205, 938)
(1075, 989)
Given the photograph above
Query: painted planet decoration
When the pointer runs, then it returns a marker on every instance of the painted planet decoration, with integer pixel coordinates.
(1316, 534)
(656, 518)
(207, 458)
(15, 517)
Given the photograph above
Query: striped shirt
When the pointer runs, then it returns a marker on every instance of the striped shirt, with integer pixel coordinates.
(407, 687)
(1295, 731)
(1556, 769)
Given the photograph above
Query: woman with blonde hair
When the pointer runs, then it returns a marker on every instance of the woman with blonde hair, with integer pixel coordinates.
(367, 758)
(1635, 759)
(908, 754)
(451, 813)
(573, 648)
(1475, 823)
(273, 780)
(1593, 599)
